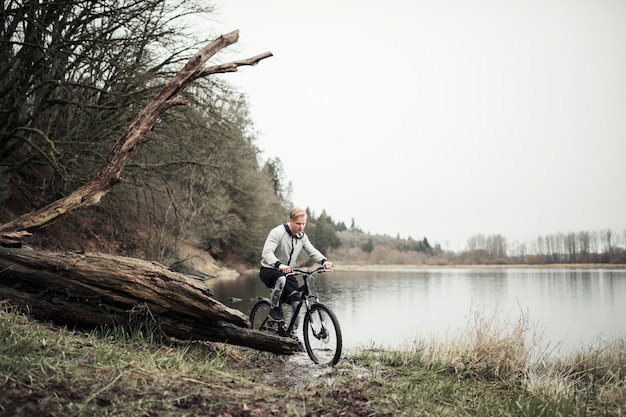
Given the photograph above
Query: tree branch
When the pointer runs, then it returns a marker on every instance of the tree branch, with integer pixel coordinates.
(109, 174)
(232, 66)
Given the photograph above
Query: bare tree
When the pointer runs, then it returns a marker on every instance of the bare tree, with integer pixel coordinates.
(584, 244)
(71, 76)
(606, 237)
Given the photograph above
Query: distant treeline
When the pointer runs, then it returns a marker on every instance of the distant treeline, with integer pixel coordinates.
(355, 246)
(604, 246)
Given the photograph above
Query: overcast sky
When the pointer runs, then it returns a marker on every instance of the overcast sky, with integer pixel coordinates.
(442, 119)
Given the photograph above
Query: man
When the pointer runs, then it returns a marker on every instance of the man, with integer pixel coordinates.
(280, 251)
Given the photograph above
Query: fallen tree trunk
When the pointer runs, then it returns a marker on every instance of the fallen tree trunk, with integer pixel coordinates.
(90, 290)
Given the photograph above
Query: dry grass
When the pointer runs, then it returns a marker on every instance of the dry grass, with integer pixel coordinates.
(490, 348)
(597, 375)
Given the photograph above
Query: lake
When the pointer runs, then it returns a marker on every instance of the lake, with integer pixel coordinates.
(569, 309)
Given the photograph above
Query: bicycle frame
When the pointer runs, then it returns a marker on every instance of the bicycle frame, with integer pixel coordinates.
(305, 296)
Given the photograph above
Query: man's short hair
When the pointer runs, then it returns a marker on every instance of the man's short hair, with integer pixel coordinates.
(296, 212)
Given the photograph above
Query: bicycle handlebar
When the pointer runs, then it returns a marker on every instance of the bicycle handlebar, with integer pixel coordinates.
(317, 270)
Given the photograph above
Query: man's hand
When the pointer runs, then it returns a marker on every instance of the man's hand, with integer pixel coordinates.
(285, 269)
(328, 265)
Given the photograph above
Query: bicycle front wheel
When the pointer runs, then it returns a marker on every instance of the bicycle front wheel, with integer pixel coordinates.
(322, 335)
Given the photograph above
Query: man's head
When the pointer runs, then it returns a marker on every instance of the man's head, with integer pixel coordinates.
(297, 221)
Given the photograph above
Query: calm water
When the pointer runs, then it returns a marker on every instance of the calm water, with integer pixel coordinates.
(568, 309)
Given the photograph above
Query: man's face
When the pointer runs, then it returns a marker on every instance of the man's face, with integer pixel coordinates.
(297, 225)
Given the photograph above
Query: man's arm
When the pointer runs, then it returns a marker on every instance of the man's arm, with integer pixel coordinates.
(268, 254)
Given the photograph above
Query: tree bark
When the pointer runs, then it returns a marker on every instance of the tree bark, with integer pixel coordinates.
(96, 289)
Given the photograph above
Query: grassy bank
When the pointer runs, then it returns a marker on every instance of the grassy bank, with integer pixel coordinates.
(51, 371)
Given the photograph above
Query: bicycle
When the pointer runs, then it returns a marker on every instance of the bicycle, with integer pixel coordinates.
(320, 328)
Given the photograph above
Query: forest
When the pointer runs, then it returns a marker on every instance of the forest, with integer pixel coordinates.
(73, 75)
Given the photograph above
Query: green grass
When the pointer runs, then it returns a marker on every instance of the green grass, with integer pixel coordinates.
(47, 370)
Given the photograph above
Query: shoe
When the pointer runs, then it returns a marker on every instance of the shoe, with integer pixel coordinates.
(276, 314)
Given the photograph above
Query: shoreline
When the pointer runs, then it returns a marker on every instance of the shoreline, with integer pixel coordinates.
(374, 267)
(371, 267)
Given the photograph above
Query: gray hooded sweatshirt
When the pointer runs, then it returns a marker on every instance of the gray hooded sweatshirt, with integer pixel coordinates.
(282, 247)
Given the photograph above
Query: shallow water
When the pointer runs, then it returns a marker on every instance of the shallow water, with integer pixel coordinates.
(566, 308)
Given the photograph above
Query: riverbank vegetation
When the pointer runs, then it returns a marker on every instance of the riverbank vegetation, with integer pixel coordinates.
(493, 370)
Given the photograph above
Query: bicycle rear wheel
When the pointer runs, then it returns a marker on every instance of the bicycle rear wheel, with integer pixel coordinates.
(259, 316)
(322, 335)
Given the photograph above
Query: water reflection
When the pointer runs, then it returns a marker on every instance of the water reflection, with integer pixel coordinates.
(392, 308)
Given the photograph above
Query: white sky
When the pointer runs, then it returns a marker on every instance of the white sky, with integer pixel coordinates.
(444, 118)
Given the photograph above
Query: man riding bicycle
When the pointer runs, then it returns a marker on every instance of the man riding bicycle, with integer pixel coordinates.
(280, 251)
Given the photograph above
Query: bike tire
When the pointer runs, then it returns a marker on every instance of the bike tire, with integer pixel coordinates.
(322, 335)
(259, 316)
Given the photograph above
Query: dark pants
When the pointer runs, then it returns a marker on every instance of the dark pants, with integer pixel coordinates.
(287, 290)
